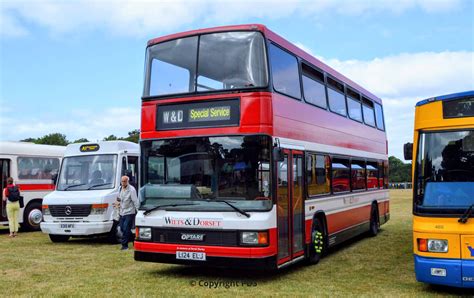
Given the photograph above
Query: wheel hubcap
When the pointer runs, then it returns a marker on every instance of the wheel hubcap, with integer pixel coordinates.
(35, 217)
(318, 242)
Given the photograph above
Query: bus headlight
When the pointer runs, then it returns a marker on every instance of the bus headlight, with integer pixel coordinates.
(254, 238)
(98, 209)
(435, 245)
(45, 209)
(144, 233)
(432, 245)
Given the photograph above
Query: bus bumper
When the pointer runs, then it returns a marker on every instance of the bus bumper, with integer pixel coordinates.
(256, 258)
(267, 263)
(457, 272)
(76, 228)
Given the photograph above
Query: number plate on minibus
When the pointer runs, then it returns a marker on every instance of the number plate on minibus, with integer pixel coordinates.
(189, 255)
(67, 226)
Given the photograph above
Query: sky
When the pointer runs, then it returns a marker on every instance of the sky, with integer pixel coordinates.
(76, 67)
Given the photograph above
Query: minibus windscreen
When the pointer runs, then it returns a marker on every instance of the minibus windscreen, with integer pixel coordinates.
(88, 172)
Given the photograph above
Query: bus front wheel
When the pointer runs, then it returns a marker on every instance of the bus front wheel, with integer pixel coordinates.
(317, 246)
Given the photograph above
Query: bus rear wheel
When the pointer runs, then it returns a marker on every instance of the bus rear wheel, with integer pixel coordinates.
(374, 221)
(59, 238)
(317, 246)
(32, 217)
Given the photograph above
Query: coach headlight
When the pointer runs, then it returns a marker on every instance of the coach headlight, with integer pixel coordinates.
(144, 233)
(432, 245)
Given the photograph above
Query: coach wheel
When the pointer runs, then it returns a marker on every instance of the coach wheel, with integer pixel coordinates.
(374, 221)
(59, 238)
(317, 245)
(32, 217)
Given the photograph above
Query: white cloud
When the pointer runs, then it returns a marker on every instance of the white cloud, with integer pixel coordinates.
(75, 124)
(405, 79)
(146, 17)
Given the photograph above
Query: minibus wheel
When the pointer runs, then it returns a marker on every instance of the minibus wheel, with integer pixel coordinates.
(374, 221)
(317, 246)
(59, 238)
(32, 216)
(115, 234)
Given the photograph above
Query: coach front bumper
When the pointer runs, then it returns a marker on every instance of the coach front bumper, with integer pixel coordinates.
(457, 272)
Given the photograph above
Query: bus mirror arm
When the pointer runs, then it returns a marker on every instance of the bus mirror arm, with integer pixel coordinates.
(278, 154)
(408, 151)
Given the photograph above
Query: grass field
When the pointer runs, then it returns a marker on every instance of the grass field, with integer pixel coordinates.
(382, 266)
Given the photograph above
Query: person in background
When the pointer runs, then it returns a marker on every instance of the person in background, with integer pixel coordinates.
(128, 206)
(11, 194)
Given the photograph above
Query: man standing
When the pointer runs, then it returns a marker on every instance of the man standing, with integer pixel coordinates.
(128, 208)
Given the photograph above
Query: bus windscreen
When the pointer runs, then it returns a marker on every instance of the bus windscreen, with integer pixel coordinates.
(207, 169)
(210, 62)
(445, 172)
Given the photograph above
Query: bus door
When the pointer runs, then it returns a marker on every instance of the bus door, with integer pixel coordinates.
(290, 212)
(5, 170)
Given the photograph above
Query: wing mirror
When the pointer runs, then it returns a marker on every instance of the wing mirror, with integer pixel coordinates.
(278, 154)
(408, 151)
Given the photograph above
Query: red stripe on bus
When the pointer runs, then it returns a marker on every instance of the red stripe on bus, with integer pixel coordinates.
(215, 251)
(35, 187)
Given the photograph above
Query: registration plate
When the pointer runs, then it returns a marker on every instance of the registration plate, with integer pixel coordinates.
(189, 255)
(67, 226)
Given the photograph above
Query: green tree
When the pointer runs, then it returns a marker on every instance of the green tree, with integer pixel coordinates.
(133, 136)
(30, 140)
(398, 170)
(81, 140)
(110, 138)
(53, 139)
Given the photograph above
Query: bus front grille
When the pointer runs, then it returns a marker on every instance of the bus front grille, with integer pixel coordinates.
(189, 236)
(70, 210)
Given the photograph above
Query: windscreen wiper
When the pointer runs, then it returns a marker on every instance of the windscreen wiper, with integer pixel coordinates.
(148, 211)
(232, 206)
(74, 185)
(465, 217)
(95, 185)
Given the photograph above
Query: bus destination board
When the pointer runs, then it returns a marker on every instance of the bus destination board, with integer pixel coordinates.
(198, 114)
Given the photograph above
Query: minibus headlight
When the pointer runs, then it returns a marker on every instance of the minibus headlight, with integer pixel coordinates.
(254, 238)
(144, 233)
(45, 209)
(98, 209)
(436, 245)
(432, 245)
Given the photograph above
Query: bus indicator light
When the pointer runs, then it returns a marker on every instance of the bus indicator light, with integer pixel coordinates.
(422, 245)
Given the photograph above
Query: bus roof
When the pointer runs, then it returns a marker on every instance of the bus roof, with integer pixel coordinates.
(102, 147)
(446, 97)
(276, 39)
(25, 148)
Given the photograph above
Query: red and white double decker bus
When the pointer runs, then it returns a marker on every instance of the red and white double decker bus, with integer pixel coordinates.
(254, 153)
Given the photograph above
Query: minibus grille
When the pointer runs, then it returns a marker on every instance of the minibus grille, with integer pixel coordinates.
(210, 237)
(70, 210)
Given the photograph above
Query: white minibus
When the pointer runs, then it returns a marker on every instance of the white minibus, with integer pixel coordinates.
(86, 188)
